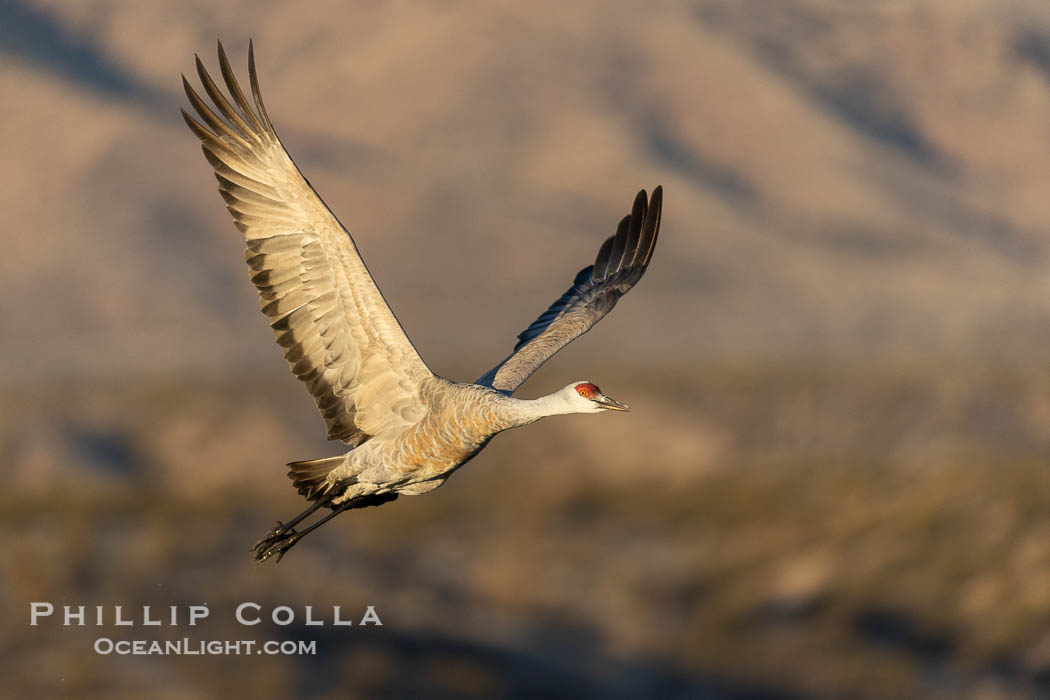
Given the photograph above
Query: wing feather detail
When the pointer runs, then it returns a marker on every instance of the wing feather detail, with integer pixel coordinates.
(336, 331)
(621, 261)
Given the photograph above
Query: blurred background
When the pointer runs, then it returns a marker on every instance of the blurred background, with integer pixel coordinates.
(833, 483)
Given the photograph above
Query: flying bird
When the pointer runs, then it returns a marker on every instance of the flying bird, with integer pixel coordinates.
(407, 428)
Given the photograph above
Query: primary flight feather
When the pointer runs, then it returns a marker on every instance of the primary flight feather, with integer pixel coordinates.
(408, 428)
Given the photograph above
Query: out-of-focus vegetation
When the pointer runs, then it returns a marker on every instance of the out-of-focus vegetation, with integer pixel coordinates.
(834, 479)
(705, 543)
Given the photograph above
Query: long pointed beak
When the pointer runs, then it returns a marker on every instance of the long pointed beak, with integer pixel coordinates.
(611, 403)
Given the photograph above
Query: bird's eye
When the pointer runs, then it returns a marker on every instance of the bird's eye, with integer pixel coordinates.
(586, 390)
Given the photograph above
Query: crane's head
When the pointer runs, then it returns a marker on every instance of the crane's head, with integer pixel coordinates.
(585, 397)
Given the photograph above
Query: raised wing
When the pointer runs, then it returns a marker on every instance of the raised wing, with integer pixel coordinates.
(335, 328)
(621, 262)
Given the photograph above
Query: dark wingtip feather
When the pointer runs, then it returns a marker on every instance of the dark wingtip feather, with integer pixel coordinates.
(630, 244)
(603, 262)
(195, 126)
(656, 201)
(201, 71)
(236, 121)
(199, 129)
(253, 78)
(619, 246)
(222, 131)
(651, 230)
(186, 87)
(641, 204)
(235, 91)
(625, 242)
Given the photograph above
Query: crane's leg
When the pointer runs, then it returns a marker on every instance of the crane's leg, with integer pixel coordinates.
(290, 525)
(284, 537)
(288, 539)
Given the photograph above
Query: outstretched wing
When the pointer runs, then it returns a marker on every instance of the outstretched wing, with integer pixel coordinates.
(335, 328)
(621, 262)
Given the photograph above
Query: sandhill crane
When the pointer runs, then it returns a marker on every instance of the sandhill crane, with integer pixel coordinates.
(408, 429)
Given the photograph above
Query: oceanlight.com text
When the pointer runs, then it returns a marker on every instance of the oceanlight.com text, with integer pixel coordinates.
(214, 647)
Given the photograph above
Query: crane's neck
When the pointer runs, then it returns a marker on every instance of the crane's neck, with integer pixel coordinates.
(517, 412)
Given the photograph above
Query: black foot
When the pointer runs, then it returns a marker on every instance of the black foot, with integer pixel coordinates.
(277, 541)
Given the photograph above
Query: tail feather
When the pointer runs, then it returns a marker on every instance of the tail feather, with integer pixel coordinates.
(311, 477)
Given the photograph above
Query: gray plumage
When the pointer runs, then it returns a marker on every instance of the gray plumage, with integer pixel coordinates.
(408, 427)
